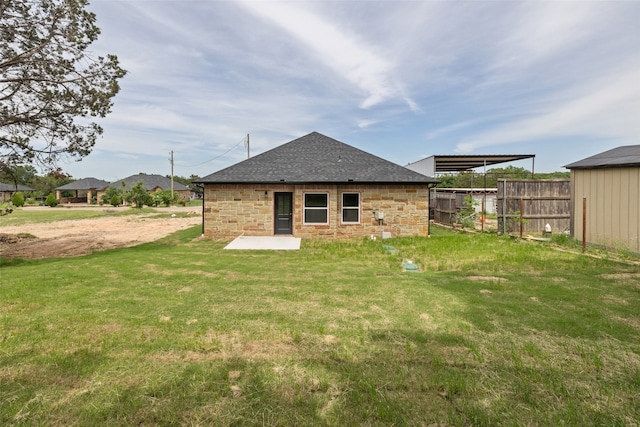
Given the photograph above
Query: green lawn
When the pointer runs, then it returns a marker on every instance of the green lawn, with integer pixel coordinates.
(492, 331)
(23, 216)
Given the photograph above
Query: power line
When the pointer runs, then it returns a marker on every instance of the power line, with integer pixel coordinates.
(214, 158)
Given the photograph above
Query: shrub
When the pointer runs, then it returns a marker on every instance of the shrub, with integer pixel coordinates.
(466, 216)
(5, 208)
(17, 199)
(51, 201)
(563, 239)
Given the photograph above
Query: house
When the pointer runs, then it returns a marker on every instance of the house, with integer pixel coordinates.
(316, 186)
(85, 190)
(605, 189)
(151, 183)
(7, 191)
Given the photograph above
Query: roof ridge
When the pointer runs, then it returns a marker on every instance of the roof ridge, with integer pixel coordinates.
(316, 158)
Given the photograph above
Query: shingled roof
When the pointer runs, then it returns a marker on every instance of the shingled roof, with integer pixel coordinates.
(316, 158)
(625, 156)
(149, 182)
(12, 187)
(85, 184)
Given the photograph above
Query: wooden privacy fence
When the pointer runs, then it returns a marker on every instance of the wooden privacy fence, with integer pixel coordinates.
(537, 202)
(446, 206)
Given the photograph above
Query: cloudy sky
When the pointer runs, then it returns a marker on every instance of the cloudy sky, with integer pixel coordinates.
(400, 79)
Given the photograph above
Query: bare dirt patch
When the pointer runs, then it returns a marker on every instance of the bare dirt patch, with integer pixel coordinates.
(81, 237)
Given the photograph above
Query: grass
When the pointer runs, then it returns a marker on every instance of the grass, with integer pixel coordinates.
(26, 216)
(494, 331)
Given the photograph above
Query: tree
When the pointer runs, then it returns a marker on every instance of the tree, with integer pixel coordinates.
(48, 183)
(446, 181)
(554, 175)
(113, 196)
(473, 179)
(181, 179)
(464, 179)
(164, 197)
(196, 188)
(17, 175)
(510, 172)
(50, 87)
(139, 196)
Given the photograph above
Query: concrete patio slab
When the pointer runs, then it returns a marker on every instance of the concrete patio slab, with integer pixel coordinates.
(277, 243)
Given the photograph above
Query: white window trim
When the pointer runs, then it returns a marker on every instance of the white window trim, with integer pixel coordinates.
(342, 208)
(304, 207)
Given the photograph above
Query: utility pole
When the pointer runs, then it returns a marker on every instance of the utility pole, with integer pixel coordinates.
(248, 154)
(171, 161)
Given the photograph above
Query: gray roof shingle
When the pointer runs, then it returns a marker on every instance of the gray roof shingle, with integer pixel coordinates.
(628, 155)
(150, 182)
(85, 184)
(316, 158)
(12, 187)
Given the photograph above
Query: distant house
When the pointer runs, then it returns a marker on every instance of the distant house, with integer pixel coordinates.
(609, 185)
(152, 183)
(7, 191)
(85, 190)
(316, 186)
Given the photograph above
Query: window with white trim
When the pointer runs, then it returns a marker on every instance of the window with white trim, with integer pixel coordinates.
(316, 208)
(351, 208)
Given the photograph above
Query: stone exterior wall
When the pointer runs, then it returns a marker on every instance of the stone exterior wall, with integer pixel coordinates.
(233, 210)
(5, 196)
(183, 195)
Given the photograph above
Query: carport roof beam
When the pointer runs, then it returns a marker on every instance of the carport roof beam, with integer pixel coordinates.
(459, 163)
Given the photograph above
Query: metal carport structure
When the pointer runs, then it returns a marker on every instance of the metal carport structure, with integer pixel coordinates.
(438, 164)
(442, 164)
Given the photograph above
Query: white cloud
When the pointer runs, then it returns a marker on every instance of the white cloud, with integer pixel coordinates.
(345, 53)
(542, 30)
(203, 74)
(363, 124)
(444, 130)
(610, 110)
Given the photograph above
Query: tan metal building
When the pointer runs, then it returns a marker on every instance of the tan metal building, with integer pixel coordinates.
(605, 198)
